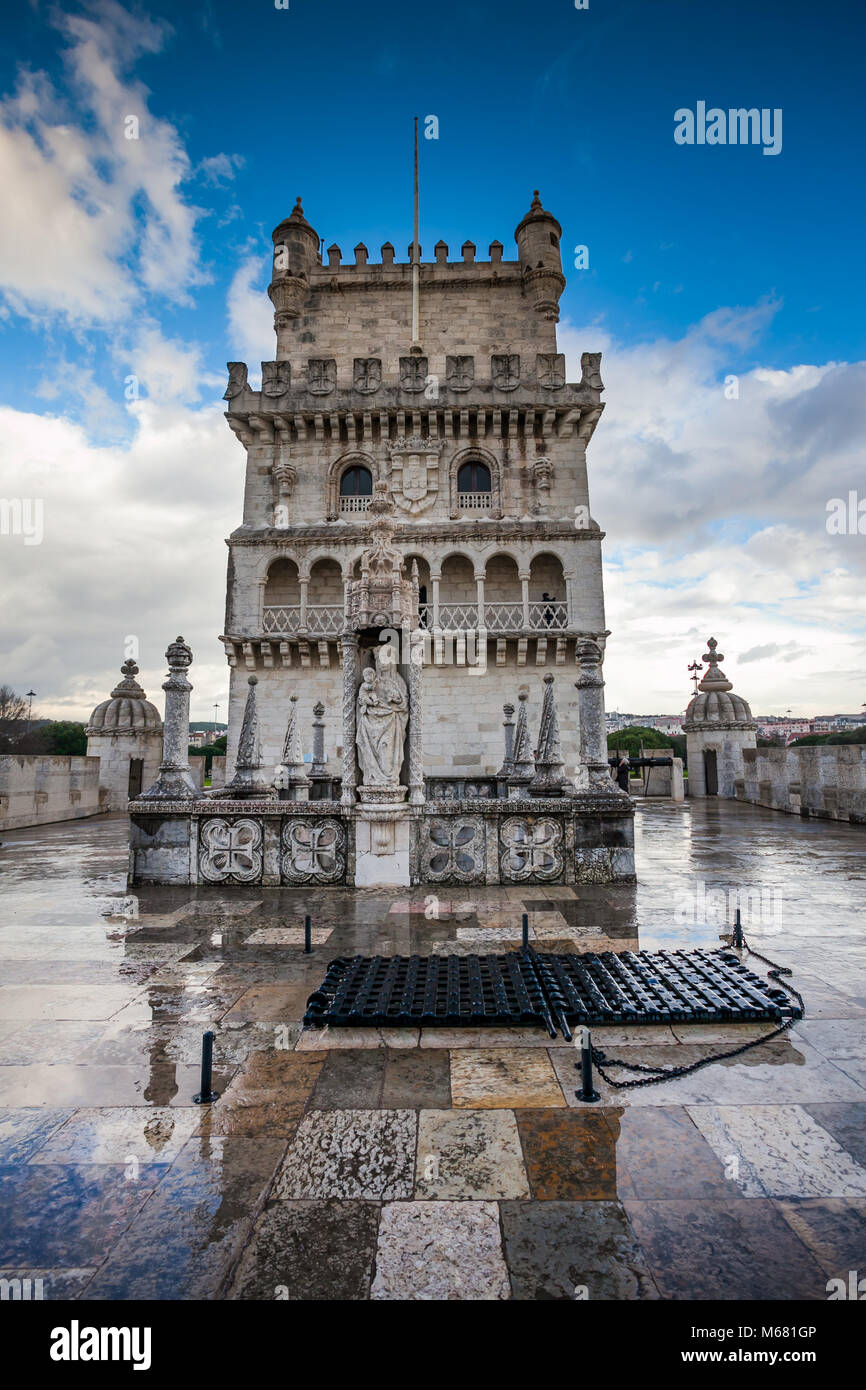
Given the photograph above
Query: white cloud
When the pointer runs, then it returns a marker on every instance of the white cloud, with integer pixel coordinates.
(715, 513)
(250, 314)
(97, 219)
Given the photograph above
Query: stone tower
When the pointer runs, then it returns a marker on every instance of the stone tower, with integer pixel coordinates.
(479, 442)
(718, 726)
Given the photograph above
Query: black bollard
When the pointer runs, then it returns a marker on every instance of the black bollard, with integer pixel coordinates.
(586, 1092)
(207, 1094)
(737, 939)
(526, 931)
(308, 937)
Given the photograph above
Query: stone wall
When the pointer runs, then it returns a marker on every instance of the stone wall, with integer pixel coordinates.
(462, 719)
(115, 751)
(39, 790)
(827, 781)
(586, 839)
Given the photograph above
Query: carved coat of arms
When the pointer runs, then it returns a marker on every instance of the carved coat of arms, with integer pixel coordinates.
(459, 373)
(276, 378)
(237, 380)
(367, 376)
(505, 370)
(414, 473)
(550, 370)
(321, 375)
(413, 373)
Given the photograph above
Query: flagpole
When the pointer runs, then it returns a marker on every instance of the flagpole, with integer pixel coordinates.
(416, 267)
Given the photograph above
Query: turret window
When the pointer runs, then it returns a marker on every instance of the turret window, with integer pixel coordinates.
(473, 477)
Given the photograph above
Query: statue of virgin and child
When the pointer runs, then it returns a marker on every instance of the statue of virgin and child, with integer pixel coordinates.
(382, 715)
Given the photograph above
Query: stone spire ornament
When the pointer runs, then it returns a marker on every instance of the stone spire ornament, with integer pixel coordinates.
(508, 725)
(714, 677)
(549, 779)
(174, 781)
(524, 764)
(249, 781)
(318, 768)
(291, 780)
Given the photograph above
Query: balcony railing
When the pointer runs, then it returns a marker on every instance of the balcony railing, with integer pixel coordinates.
(326, 619)
(550, 615)
(498, 617)
(323, 619)
(354, 504)
(474, 501)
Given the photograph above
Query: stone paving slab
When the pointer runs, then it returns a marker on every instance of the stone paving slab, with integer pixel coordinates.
(366, 1154)
(834, 1229)
(120, 1135)
(350, 1081)
(440, 1251)
(780, 1151)
(661, 1152)
(309, 1250)
(417, 1079)
(574, 1251)
(77, 1086)
(569, 1156)
(319, 1039)
(469, 1154)
(28, 1002)
(779, 1071)
(741, 1250)
(197, 1220)
(503, 1078)
(67, 1215)
(23, 1132)
(275, 1003)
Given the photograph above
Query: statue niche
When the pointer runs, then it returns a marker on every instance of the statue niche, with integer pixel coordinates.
(381, 718)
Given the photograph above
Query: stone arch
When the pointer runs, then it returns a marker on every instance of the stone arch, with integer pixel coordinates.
(325, 582)
(457, 579)
(502, 579)
(353, 458)
(547, 575)
(282, 582)
(475, 453)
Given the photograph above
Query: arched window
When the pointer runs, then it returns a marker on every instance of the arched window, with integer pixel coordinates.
(473, 477)
(357, 481)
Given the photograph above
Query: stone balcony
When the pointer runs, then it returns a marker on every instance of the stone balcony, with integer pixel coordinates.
(326, 620)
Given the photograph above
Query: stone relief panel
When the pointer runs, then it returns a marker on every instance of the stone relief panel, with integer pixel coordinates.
(313, 851)
(459, 373)
(321, 375)
(531, 849)
(367, 375)
(230, 851)
(276, 378)
(505, 370)
(550, 370)
(413, 373)
(453, 849)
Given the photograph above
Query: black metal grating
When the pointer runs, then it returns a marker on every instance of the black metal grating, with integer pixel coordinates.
(479, 991)
(528, 987)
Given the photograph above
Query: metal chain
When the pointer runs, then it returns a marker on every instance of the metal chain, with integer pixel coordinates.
(668, 1073)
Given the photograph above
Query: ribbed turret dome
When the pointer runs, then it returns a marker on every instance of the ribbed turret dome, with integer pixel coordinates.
(714, 703)
(128, 710)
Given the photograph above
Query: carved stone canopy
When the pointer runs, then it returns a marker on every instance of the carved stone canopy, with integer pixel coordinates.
(382, 596)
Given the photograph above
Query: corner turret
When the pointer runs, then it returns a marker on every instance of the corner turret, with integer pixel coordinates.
(538, 237)
(296, 255)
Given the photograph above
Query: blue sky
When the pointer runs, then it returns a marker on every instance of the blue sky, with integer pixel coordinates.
(148, 258)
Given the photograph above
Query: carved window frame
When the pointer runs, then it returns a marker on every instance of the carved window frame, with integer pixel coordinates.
(475, 453)
(355, 458)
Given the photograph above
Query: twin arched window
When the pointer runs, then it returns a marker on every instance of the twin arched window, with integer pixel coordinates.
(473, 477)
(357, 481)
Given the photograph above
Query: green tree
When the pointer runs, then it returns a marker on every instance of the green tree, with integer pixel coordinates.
(64, 738)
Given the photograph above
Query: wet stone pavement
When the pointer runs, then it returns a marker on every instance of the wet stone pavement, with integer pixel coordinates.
(435, 1164)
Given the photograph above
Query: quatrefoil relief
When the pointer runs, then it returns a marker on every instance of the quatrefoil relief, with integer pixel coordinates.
(230, 851)
(531, 848)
